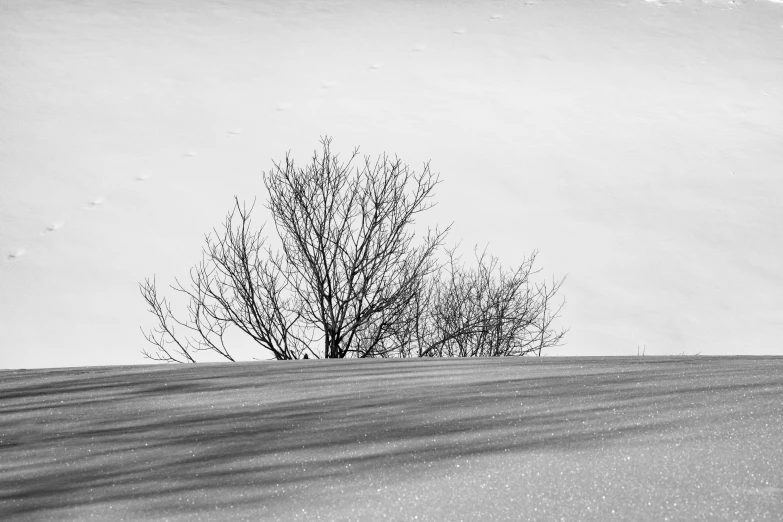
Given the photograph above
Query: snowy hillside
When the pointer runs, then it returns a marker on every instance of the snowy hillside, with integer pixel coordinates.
(551, 438)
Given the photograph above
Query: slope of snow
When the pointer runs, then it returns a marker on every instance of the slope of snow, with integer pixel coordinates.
(637, 146)
(555, 438)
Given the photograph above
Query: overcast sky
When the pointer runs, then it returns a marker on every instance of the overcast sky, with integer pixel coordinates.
(637, 145)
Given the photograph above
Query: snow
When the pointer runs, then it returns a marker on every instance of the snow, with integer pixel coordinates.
(551, 438)
(635, 144)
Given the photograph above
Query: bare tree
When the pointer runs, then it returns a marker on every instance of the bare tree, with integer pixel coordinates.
(346, 272)
(484, 311)
(348, 279)
(347, 245)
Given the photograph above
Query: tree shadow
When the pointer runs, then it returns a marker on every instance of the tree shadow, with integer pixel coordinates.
(146, 437)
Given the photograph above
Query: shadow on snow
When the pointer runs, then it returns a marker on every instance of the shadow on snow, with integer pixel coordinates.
(164, 438)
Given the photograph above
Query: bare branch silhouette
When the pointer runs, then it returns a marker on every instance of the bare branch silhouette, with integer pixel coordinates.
(350, 278)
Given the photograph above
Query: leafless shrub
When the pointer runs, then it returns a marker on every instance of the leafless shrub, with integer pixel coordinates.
(483, 311)
(349, 280)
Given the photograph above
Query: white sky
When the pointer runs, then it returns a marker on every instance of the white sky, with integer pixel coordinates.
(638, 145)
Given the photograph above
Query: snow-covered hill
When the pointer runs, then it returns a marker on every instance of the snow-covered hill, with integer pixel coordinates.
(555, 438)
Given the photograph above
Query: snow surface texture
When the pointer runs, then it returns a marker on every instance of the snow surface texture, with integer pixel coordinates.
(637, 146)
(576, 439)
